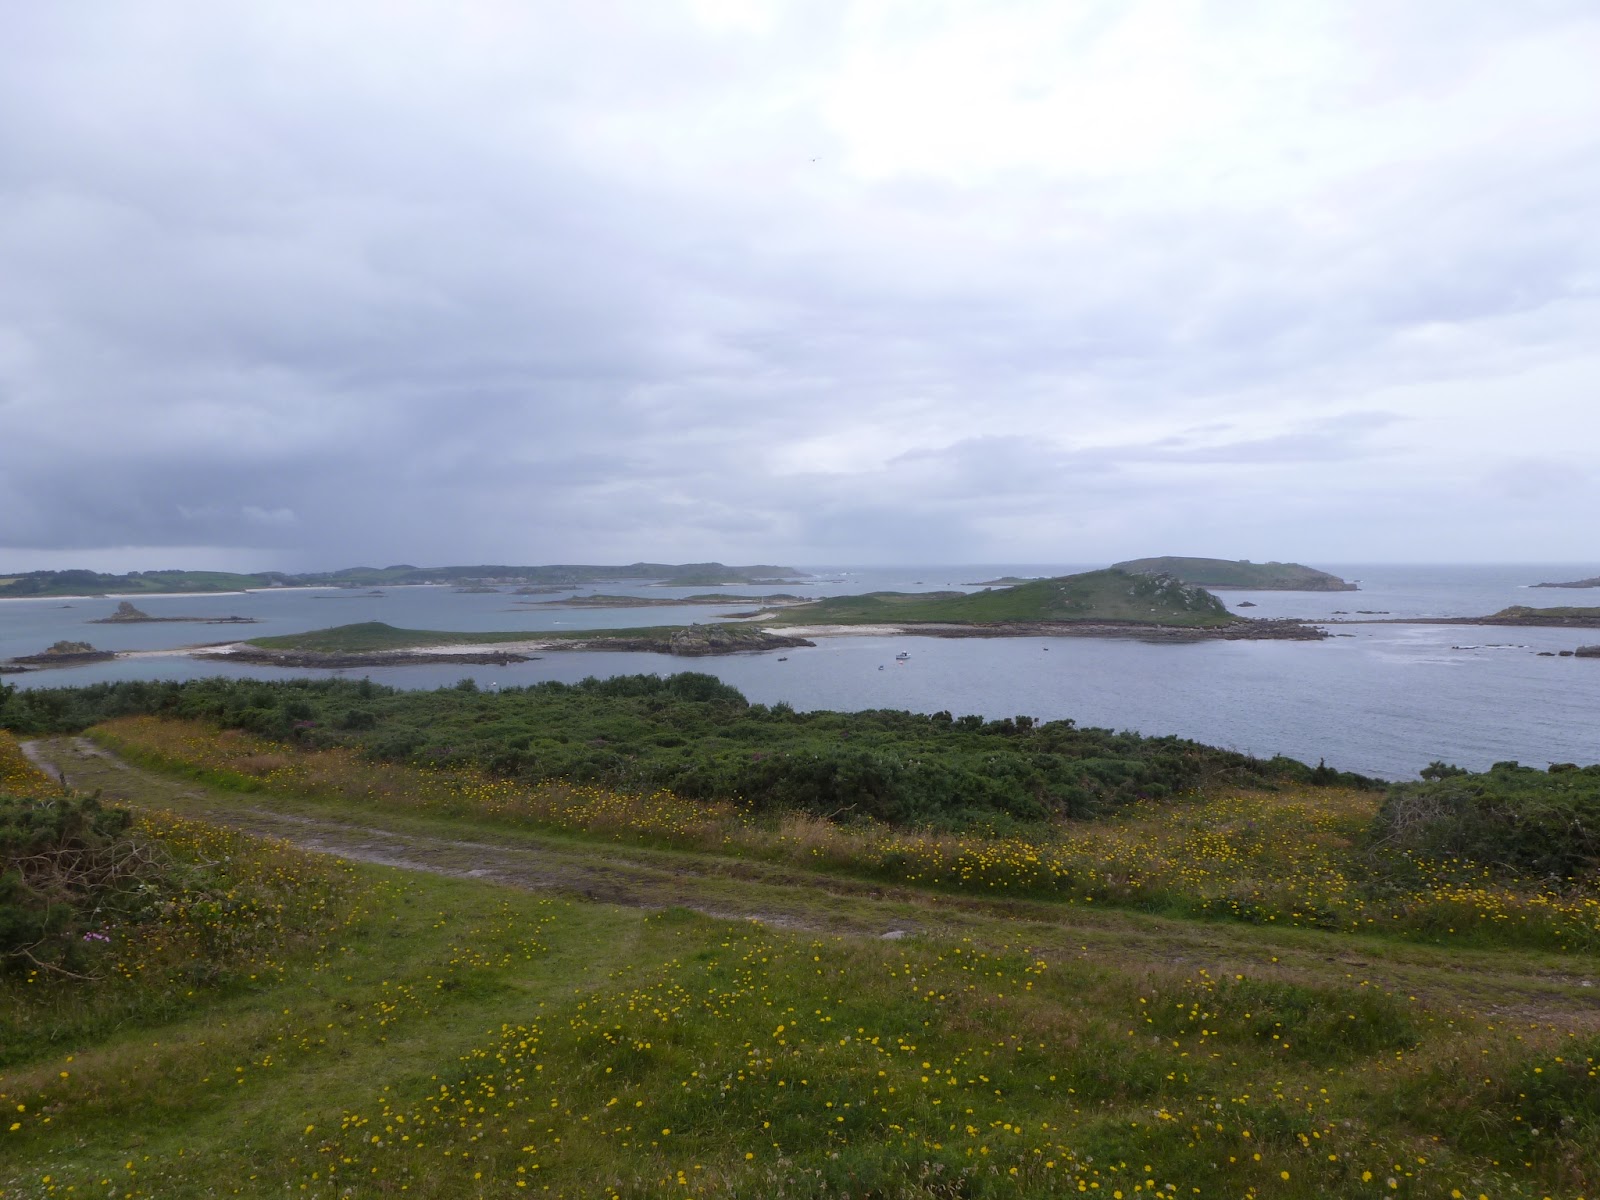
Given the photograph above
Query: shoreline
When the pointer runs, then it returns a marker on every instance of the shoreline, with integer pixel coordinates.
(1535, 622)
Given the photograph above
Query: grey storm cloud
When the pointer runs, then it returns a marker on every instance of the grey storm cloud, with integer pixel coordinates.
(796, 281)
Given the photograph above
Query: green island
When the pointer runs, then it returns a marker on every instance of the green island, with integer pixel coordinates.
(1109, 596)
(640, 938)
(1521, 614)
(375, 643)
(97, 583)
(1240, 574)
(1592, 582)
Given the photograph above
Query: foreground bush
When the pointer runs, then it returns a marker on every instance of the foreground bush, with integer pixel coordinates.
(107, 914)
(67, 865)
(1516, 819)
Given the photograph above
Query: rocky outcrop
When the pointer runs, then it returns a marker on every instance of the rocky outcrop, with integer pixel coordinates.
(1587, 652)
(66, 654)
(695, 641)
(1576, 583)
(127, 614)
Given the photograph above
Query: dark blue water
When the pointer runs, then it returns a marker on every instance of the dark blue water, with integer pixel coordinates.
(1384, 700)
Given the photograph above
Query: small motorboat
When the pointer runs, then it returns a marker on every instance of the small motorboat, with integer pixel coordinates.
(783, 658)
(901, 657)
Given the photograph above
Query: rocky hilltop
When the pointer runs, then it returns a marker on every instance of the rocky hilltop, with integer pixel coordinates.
(1242, 574)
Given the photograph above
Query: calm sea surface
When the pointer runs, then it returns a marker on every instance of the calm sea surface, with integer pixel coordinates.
(1380, 699)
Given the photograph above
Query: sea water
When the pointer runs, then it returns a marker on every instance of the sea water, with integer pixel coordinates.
(1381, 699)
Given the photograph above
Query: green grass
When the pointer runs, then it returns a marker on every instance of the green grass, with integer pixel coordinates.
(1090, 597)
(463, 1040)
(450, 1037)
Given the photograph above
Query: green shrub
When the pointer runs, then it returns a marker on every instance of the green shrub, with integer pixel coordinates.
(697, 736)
(65, 864)
(1513, 818)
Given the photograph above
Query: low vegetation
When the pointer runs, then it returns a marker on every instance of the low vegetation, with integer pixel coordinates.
(150, 909)
(443, 1038)
(1517, 820)
(1296, 857)
(697, 737)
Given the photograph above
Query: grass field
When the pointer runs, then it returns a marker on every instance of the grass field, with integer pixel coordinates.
(449, 1037)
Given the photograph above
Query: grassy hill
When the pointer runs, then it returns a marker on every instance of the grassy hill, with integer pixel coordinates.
(1111, 595)
(1241, 573)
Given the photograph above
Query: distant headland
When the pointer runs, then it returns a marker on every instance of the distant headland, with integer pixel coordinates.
(1241, 574)
(98, 583)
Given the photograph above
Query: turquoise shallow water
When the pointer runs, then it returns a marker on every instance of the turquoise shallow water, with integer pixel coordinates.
(1384, 700)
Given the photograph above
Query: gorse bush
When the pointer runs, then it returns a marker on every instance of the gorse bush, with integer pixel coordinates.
(699, 738)
(66, 863)
(1518, 819)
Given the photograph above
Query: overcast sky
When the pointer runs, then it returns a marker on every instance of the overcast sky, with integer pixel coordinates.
(303, 285)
